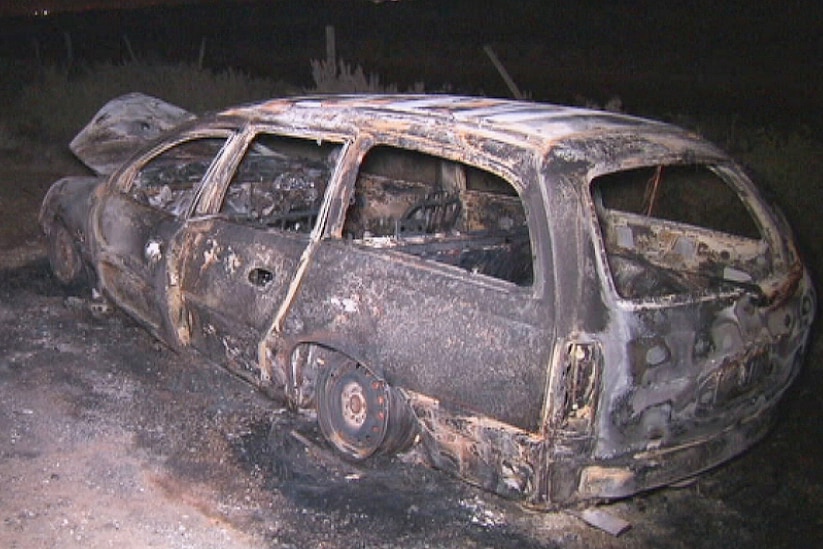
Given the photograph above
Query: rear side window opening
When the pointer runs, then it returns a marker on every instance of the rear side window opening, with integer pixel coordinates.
(677, 229)
(440, 210)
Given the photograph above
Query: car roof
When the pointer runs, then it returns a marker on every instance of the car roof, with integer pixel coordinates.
(537, 125)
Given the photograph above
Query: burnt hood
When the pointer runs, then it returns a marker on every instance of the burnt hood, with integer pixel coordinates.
(123, 125)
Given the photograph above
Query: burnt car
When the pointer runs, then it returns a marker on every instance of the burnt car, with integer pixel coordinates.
(555, 304)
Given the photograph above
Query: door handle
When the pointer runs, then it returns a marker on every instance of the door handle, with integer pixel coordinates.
(260, 277)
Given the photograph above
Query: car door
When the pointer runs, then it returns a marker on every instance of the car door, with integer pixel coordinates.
(244, 243)
(138, 218)
(434, 280)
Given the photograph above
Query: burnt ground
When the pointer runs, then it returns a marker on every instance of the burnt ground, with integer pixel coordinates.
(109, 439)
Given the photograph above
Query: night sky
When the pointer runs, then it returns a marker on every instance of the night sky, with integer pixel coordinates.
(759, 59)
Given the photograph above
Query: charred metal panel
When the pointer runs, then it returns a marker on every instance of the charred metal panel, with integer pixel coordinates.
(701, 376)
(132, 248)
(233, 279)
(485, 452)
(665, 465)
(121, 127)
(69, 201)
(433, 329)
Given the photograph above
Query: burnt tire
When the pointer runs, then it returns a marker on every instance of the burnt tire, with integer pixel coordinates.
(360, 414)
(64, 256)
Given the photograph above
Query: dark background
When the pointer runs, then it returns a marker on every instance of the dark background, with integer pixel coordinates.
(761, 60)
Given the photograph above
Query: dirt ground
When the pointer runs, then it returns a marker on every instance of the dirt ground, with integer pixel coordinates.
(109, 439)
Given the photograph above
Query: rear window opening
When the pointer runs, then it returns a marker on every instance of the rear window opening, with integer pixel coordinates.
(677, 229)
(690, 194)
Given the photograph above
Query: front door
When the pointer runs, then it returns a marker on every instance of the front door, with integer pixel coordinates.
(138, 221)
(240, 252)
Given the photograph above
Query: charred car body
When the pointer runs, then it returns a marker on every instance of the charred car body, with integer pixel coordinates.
(552, 303)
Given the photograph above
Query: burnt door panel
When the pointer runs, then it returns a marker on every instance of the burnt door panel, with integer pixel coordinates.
(461, 337)
(233, 279)
(238, 262)
(133, 251)
(433, 278)
(137, 222)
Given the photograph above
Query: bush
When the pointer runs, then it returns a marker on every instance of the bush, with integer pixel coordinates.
(56, 104)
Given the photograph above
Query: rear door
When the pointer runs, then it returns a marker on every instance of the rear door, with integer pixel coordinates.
(433, 279)
(713, 322)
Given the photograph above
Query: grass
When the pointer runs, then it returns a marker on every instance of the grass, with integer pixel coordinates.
(55, 104)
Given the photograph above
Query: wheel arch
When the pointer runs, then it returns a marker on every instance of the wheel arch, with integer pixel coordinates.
(306, 355)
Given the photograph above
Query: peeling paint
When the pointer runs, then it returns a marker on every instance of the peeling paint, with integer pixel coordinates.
(348, 305)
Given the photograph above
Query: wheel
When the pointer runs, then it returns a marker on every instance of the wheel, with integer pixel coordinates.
(352, 408)
(64, 257)
(359, 413)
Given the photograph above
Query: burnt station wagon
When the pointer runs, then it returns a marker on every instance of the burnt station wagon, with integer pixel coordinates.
(552, 303)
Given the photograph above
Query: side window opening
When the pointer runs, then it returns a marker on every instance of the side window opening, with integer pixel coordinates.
(440, 210)
(690, 194)
(167, 181)
(280, 183)
(676, 229)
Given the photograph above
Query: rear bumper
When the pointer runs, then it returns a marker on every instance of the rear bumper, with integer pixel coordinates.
(556, 472)
(654, 468)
